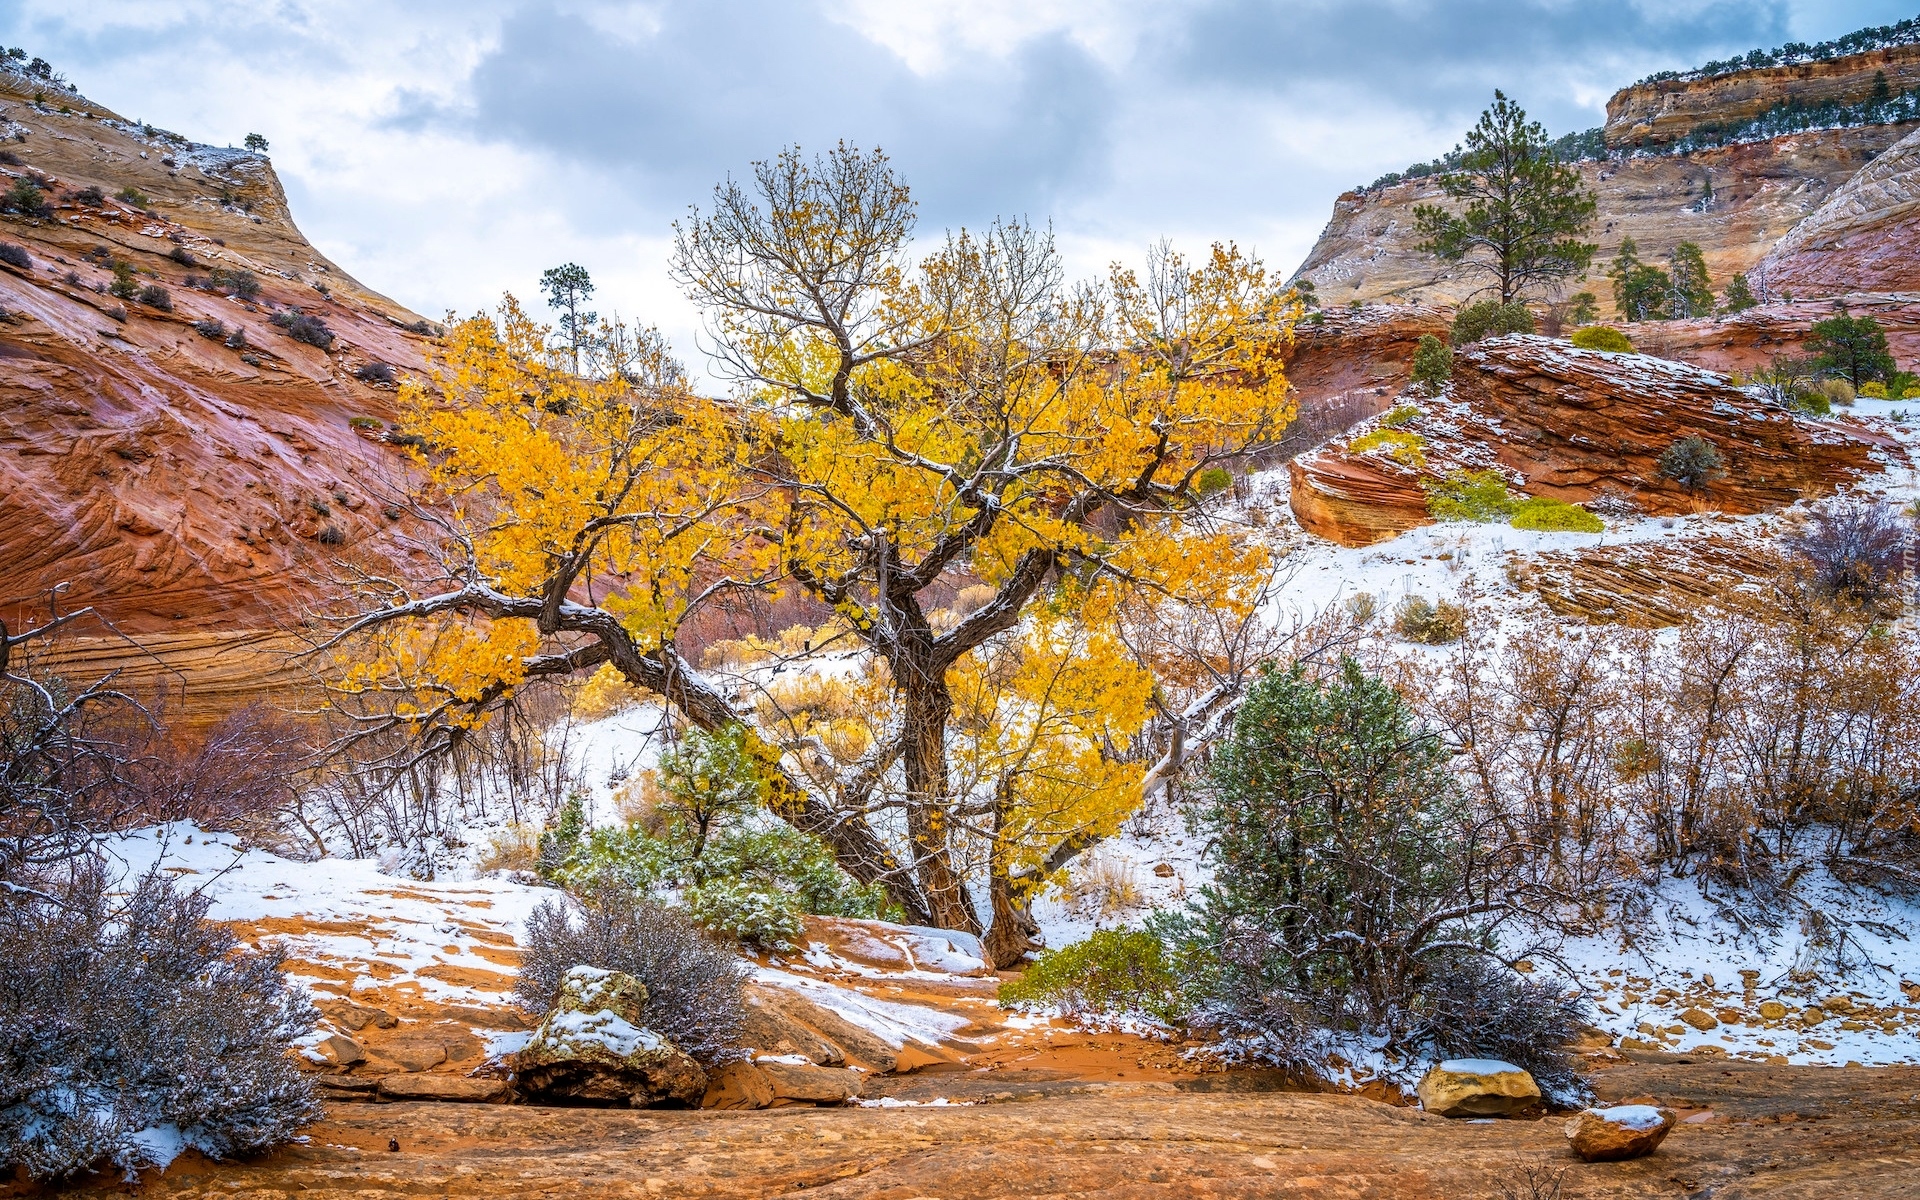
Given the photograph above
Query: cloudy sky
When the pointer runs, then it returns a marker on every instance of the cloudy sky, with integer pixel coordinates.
(445, 151)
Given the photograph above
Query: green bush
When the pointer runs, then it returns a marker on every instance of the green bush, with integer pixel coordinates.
(123, 286)
(1814, 402)
(1212, 481)
(1344, 848)
(1490, 318)
(1556, 516)
(1400, 414)
(1114, 973)
(1602, 337)
(740, 871)
(1470, 496)
(1402, 447)
(155, 296)
(134, 196)
(1432, 364)
(1692, 462)
(1421, 620)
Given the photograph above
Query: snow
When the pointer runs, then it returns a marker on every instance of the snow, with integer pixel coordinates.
(343, 912)
(892, 1022)
(159, 1144)
(892, 1102)
(605, 1029)
(1478, 1066)
(1632, 1116)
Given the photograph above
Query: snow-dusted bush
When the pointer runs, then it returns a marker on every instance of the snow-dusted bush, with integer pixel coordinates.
(1547, 515)
(131, 1027)
(1692, 462)
(1432, 364)
(1419, 619)
(1602, 337)
(1470, 496)
(693, 983)
(1352, 873)
(1490, 318)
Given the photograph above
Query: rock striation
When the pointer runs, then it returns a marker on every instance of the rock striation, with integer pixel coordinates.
(1866, 237)
(182, 463)
(1581, 426)
(1665, 110)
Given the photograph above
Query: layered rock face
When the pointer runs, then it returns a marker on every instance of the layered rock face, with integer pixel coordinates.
(1759, 192)
(1579, 426)
(192, 481)
(1866, 237)
(1662, 111)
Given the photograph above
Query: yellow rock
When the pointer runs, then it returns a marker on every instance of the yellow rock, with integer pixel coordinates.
(1772, 1010)
(1700, 1019)
(1477, 1087)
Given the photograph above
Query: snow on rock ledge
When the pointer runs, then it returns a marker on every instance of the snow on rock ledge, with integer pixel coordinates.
(592, 1047)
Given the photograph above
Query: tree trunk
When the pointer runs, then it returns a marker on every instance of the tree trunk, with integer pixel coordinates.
(924, 762)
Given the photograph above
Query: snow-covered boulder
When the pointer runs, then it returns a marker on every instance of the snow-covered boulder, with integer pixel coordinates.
(1477, 1087)
(593, 1047)
(1621, 1132)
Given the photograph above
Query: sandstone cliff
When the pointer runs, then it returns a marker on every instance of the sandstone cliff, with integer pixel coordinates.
(192, 490)
(1866, 237)
(1661, 111)
(1760, 191)
(1584, 427)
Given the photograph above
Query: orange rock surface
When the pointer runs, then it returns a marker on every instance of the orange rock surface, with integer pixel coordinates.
(1665, 110)
(198, 495)
(1579, 426)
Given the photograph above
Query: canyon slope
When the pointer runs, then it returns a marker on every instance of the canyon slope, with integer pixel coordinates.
(1737, 201)
(176, 459)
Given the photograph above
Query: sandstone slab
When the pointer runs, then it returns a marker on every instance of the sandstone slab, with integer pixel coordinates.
(809, 1084)
(737, 1085)
(458, 1089)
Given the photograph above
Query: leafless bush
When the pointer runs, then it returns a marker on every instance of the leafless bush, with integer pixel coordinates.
(1853, 547)
(129, 1024)
(693, 984)
(1480, 1009)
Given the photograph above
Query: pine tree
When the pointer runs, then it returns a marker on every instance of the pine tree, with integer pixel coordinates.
(1525, 210)
(1690, 294)
(568, 288)
(1738, 296)
(1640, 290)
(1851, 348)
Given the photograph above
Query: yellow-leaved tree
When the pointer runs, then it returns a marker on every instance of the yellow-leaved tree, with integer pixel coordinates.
(901, 431)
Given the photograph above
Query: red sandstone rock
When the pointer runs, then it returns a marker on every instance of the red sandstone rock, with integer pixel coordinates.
(1865, 238)
(1579, 426)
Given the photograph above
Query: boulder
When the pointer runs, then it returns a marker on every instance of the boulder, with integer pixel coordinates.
(592, 1047)
(737, 1085)
(1618, 1133)
(808, 1084)
(1864, 238)
(1477, 1087)
(793, 1009)
(1773, 1010)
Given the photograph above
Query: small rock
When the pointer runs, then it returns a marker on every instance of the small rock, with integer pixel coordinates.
(1838, 1004)
(1163, 870)
(1773, 1010)
(1811, 1015)
(412, 1054)
(358, 1016)
(1619, 1133)
(1477, 1087)
(737, 1085)
(592, 1047)
(1700, 1019)
(812, 1085)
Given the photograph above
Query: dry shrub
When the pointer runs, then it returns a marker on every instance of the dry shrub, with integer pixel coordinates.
(1421, 620)
(1103, 888)
(512, 848)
